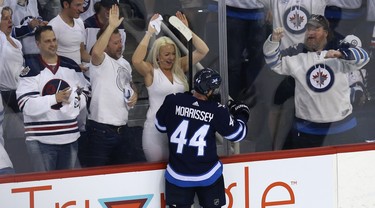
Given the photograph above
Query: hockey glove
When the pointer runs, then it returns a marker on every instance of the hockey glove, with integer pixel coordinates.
(239, 110)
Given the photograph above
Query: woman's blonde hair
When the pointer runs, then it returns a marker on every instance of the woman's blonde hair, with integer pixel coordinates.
(176, 68)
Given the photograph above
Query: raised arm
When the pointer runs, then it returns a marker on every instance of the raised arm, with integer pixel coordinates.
(271, 47)
(144, 68)
(97, 55)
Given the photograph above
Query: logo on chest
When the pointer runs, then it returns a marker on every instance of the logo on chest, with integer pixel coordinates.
(52, 87)
(320, 78)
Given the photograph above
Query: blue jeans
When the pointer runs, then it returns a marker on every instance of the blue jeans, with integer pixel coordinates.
(47, 157)
(112, 145)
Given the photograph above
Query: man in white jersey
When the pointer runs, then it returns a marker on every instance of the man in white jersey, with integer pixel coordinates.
(322, 94)
(113, 95)
(51, 93)
(292, 15)
(70, 33)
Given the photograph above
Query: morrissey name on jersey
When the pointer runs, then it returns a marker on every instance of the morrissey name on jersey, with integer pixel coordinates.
(194, 113)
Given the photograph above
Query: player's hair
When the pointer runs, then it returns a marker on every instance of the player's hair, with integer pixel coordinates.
(41, 29)
(176, 68)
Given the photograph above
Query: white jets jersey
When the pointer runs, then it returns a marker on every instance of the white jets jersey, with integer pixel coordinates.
(46, 120)
(322, 92)
(293, 16)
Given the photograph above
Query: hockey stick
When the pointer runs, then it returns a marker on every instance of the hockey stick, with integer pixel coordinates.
(181, 27)
(186, 32)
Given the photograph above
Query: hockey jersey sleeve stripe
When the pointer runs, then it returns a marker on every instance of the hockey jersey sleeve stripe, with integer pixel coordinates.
(272, 56)
(24, 98)
(27, 95)
(364, 54)
(356, 55)
(239, 134)
(274, 63)
(159, 127)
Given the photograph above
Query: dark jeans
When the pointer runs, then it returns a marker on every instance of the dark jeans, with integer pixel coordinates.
(111, 145)
(245, 57)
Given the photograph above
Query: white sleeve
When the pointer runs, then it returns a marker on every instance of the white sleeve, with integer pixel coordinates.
(30, 101)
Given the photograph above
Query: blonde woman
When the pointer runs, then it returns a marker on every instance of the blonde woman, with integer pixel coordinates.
(163, 73)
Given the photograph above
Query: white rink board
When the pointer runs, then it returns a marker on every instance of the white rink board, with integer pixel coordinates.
(304, 176)
(356, 174)
(301, 182)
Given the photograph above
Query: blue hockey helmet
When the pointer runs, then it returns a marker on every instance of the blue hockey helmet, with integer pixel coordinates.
(205, 80)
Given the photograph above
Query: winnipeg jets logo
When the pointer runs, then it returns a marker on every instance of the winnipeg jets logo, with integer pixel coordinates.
(52, 87)
(320, 78)
(295, 19)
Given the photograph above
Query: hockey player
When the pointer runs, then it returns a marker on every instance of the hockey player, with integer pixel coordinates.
(51, 92)
(190, 122)
(322, 93)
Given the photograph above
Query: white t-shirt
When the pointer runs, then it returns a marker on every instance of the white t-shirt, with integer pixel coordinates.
(69, 38)
(108, 81)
